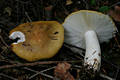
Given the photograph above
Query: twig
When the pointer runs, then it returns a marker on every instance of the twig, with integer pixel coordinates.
(17, 12)
(117, 41)
(85, 1)
(41, 72)
(66, 11)
(35, 63)
(76, 66)
(4, 42)
(42, 9)
(106, 77)
(8, 76)
(37, 72)
(23, 2)
(3, 51)
(29, 69)
(115, 4)
(75, 49)
(28, 16)
(111, 63)
(51, 77)
(117, 73)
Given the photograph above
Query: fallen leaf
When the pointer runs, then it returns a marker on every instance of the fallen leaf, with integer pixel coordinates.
(8, 10)
(49, 8)
(117, 9)
(115, 14)
(68, 2)
(62, 71)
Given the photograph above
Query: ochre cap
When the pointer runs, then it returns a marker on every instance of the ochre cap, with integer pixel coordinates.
(43, 39)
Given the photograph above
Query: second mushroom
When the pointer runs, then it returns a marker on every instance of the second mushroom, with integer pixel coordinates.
(86, 29)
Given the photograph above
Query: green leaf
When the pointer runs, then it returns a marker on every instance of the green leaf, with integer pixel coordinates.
(8, 10)
(92, 2)
(104, 9)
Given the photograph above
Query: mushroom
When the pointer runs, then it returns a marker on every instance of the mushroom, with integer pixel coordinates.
(85, 29)
(37, 40)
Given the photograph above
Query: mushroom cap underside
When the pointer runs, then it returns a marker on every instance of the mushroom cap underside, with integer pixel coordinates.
(43, 40)
(77, 23)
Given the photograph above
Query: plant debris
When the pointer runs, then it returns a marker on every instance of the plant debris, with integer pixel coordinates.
(115, 14)
(62, 71)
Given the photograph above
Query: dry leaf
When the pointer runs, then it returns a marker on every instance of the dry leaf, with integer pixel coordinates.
(8, 10)
(68, 2)
(62, 71)
(115, 14)
(49, 8)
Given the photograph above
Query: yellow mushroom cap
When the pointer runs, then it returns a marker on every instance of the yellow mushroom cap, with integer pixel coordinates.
(42, 40)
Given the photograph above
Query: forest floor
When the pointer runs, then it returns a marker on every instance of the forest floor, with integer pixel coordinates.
(15, 12)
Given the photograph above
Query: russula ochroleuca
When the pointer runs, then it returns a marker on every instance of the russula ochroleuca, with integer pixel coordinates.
(85, 29)
(37, 40)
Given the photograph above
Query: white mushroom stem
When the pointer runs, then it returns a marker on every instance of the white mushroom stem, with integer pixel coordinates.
(93, 53)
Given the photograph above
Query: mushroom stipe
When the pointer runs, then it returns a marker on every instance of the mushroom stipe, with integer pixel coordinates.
(38, 40)
(85, 29)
